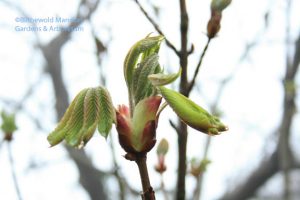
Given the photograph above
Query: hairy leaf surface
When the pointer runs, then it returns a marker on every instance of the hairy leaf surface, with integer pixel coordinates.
(191, 113)
(92, 107)
(160, 79)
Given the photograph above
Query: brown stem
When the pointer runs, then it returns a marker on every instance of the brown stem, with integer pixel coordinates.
(182, 145)
(182, 134)
(184, 23)
(148, 193)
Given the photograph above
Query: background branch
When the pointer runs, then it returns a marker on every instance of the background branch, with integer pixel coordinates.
(271, 165)
(90, 178)
(13, 171)
(192, 83)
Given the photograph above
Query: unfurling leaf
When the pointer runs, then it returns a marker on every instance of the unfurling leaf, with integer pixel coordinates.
(59, 132)
(73, 130)
(92, 107)
(138, 52)
(144, 123)
(191, 113)
(163, 147)
(142, 87)
(107, 113)
(137, 134)
(160, 79)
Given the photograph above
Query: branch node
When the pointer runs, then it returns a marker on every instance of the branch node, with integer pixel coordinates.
(191, 49)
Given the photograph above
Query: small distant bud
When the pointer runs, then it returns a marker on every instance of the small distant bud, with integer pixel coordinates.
(198, 168)
(219, 5)
(163, 147)
(214, 24)
(161, 151)
(212, 29)
(8, 125)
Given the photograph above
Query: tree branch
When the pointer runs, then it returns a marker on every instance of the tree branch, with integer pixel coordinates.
(183, 133)
(285, 154)
(192, 83)
(148, 193)
(246, 189)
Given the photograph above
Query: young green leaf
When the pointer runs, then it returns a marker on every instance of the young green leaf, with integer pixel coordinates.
(59, 132)
(191, 113)
(90, 116)
(141, 84)
(75, 125)
(92, 107)
(138, 52)
(107, 112)
(161, 79)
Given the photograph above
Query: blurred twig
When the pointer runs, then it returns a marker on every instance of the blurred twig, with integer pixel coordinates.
(162, 188)
(272, 164)
(222, 85)
(101, 48)
(157, 28)
(285, 154)
(89, 177)
(18, 105)
(192, 83)
(116, 171)
(198, 187)
(13, 172)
